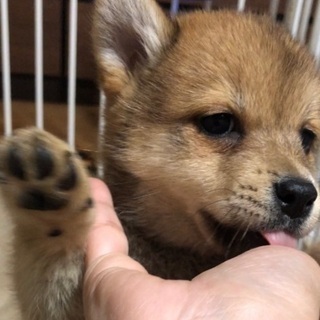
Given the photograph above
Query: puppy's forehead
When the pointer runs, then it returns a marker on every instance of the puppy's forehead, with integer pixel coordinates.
(244, 61)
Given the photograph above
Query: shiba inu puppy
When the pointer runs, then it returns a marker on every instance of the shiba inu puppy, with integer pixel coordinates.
(211, 149)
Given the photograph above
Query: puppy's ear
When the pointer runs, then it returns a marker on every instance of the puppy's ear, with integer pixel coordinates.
(126, 34)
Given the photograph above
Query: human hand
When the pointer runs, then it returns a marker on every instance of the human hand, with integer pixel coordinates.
(270, 282)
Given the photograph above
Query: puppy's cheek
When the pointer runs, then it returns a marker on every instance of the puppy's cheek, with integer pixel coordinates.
(313, 218)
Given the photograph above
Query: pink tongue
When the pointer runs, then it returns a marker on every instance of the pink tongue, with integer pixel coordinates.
(279, 238)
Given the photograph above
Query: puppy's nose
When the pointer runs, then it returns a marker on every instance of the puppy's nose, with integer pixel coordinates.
(295, 196)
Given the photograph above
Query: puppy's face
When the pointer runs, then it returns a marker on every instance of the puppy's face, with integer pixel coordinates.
(218, 129)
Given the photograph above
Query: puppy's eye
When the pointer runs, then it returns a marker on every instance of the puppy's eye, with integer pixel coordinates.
(307, 139)
(218, 124)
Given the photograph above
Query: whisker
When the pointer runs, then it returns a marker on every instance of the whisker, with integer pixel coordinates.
(207, 206)
(235, 235)
(245, 232)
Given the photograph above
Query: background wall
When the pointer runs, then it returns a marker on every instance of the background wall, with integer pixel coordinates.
(55, 14)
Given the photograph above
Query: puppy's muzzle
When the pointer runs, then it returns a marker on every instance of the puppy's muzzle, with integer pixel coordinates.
(295, 197)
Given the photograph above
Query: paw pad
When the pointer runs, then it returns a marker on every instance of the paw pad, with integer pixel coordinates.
(15, 163)
(44, 162)
(38, 200)
(55, 233)
(69, 181)
(41, 172)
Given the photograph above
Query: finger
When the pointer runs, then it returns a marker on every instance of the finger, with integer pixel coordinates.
(107, 244)
(107, 262)
(106, 235)
(254, 267)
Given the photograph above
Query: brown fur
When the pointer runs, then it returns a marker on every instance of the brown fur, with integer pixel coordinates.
(163, 172)
(187, 200)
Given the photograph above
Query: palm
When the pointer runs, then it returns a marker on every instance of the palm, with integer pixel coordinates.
(265, 283)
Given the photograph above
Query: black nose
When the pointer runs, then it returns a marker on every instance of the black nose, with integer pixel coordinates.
(295, 196)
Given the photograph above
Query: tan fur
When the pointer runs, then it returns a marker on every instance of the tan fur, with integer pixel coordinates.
(163, 171)
(47, 270)
(177, 190)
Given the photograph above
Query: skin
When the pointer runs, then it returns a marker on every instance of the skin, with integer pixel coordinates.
(269, 282)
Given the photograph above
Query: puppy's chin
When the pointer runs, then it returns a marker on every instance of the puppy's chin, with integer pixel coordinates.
(236, 240)
(231, 238)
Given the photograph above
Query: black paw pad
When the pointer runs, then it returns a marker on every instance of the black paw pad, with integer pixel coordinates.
(55, 233)
(69, 181)
(44, 162)
(15, 164)
(37, 200)
(87, 205)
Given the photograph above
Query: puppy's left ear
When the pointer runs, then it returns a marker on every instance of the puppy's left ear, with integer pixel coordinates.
(128, 34)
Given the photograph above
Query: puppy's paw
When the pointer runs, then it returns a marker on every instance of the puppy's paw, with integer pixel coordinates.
(44, 184)
(44, 187)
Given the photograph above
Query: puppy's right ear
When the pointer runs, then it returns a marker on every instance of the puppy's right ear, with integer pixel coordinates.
(127, 33)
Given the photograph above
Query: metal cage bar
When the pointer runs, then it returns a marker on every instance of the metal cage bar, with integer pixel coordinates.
(6, 78)
(174, 8)
(73, 21)
(293, 15)
(314, 43)
(101, 133)
(241, 5)
(273, 8)
(39, 62)
(305, 18)
(207, 4)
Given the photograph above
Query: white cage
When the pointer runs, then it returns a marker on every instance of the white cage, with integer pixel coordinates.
(301, 17)
(298, 15)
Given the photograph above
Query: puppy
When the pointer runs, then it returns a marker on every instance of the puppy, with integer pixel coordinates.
(211, 149)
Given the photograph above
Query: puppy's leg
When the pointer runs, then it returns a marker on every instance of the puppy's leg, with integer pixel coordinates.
(44, 187)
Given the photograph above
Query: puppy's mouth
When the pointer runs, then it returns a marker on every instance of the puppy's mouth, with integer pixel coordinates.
(237, 241)
(280, 238)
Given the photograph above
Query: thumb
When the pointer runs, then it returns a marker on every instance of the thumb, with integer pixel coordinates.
(109, 269)
(107, 254)
(107, 243)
